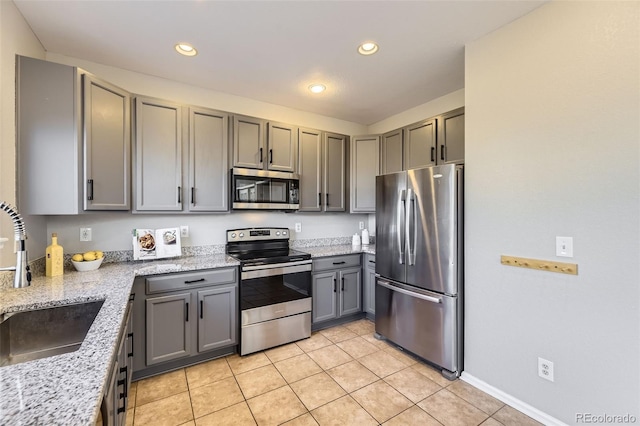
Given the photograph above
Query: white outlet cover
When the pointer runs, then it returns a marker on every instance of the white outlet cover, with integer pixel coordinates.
(545, 369)
(564, 246)
(184, 231)
(85, 234)
(298, 227)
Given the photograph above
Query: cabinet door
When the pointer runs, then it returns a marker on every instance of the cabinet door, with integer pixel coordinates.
(158, 153)
(350, 291)
(208, 163)
(217, 326)
(334, 172)
(282, 141)
(451, 137)
(324, 290)
(392, 148)
(420, 145)
(248, 142)
(107, 146)
(168, 328)
(365, 166)
(369, 284)
(309, 169)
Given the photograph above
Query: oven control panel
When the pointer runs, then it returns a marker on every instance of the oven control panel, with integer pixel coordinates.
(257, 234)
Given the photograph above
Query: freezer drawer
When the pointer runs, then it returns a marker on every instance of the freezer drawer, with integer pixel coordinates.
(422, 322)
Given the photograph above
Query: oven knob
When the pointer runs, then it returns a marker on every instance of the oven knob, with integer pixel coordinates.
(241, 235)
(277, 233)
(233, 235)
(284, 233)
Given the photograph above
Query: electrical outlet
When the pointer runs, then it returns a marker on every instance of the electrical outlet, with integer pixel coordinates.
(298, 227)
(85, 234)
(545, 369)
(564, 246)
(361, 225)
(184, 231)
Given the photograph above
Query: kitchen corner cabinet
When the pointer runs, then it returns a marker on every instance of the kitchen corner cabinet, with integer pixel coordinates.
(336, 287)
(208, 160)
(322, 165)
(391, 149)
(252, 150)
(365, 166)
(186, 314)
(451, 137)
(73, 140)
(158, 155)
(420, 145)
(369, 285)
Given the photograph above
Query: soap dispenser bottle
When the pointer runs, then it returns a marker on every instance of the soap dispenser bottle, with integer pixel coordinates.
(54, 262)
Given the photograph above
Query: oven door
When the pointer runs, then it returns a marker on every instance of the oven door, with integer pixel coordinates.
(274, 291)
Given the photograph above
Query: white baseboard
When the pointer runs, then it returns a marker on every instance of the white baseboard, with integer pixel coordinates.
(521, 406)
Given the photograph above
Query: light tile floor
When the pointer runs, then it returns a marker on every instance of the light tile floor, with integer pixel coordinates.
(339, 376)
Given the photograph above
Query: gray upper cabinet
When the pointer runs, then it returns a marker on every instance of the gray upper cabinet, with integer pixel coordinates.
(56, 175)
(310, 169)
(282, 141)
(420, 145)
(248, 142)
(451, 137)
(365, 166)
(107, 146)
(208, 160)
(335, 172)
(158, 155)
(392, 149)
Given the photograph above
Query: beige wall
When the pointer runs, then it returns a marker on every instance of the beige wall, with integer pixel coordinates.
(15, 38)
(553, 149)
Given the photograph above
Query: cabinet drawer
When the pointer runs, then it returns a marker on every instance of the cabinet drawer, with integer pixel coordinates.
(189, 280)
(336, 262)
(370, 261)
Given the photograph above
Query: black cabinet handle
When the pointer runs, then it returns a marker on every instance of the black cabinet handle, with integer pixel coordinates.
(120, 410)
(319, 199)
(271, 156)
(90, 189)
(130, 354)
(433, 151)
(261, 155)
(372, 261)
(201, 309)
(339, 263)
(335, 288)
(342, 283)
(187, 313)
(132, 297)
(326, 198)
(179, 194)
(195, 281)
(442, 152)
(193, 195)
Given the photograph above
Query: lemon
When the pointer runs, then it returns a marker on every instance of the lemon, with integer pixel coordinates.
(99, 254)
(88, 256)
(77, 257)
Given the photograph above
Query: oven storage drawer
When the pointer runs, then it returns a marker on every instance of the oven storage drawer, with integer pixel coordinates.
(336, 262)
(172, 282)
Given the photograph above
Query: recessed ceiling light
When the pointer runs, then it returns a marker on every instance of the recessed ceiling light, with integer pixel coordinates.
(317, 88)
(186, 49)
(367, 48)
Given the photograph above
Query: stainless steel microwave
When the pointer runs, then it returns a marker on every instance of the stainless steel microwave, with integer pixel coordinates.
(264, 190)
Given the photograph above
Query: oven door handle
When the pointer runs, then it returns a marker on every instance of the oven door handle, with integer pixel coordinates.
(274, 271)
(277, 265)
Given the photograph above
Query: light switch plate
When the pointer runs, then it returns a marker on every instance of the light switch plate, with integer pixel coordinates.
(564, 246)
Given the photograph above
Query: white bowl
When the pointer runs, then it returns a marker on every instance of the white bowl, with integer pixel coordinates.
(91, 265)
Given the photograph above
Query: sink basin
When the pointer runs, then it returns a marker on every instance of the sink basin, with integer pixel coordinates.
(41, 333)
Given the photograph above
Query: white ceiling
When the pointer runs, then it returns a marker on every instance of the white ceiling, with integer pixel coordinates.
(273, 50)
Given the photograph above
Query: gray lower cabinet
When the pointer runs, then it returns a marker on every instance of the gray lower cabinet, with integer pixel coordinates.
(336, 287)
(185, 318)
(369, 285)
(365, 166)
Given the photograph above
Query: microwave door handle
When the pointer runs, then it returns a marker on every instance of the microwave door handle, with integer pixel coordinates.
(399, 225)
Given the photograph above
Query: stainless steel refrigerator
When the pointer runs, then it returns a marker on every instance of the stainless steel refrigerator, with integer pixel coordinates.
(419, 263)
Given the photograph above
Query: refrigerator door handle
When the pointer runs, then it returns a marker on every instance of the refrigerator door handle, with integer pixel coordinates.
(409, 293)
(399, 225)
(410, 222)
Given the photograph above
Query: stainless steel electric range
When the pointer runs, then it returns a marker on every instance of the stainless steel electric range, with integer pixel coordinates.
(275, 288)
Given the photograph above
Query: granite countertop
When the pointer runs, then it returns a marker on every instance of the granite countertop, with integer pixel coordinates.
(67, 388)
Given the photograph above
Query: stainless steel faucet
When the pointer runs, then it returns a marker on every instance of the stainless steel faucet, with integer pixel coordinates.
(22, 276)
